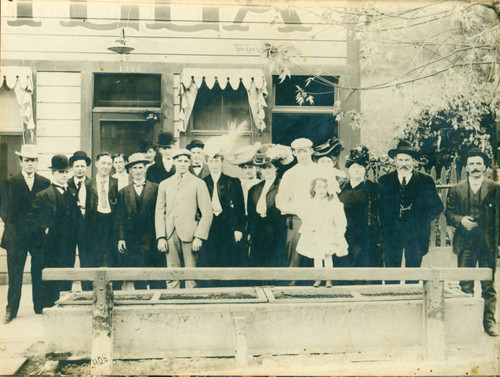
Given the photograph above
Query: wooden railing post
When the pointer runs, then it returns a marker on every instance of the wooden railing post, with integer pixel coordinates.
(101, 362)
(433, 314)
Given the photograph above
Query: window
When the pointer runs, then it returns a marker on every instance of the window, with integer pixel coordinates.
(127, 90)
(24, 14)
(215, 108)
(314, 121)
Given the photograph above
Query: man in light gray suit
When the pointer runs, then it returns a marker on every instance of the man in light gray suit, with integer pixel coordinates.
(183, 215)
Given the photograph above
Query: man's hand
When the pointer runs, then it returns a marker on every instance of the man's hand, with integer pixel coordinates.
(196, 244)
(238, 236)
(468, 223)
(46, 230)
(162, 245)
(122, 246)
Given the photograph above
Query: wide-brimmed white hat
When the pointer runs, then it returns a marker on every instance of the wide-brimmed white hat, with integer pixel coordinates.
(136, 158)
(28, 151)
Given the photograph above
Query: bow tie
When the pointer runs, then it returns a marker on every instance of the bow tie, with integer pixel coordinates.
(139, 184)
(197, 166)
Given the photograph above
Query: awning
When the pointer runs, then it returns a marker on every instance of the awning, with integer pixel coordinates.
(252, 79)
(20, 79)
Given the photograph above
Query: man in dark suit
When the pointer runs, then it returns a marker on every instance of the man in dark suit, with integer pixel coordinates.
(408, 205)
(163, 167)
(136, 215)
(472, 208)
(224, 247)
(198, 166)
(100, 219)
(79, 164)
(54, 220)
(18, 193)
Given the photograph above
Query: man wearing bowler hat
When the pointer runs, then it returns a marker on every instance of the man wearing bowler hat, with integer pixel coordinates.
(54, 221)
(18, 193)
(198, 166)
(80, 163)
(472, 208)
(136, 216)
(164, 167)
(409, 202)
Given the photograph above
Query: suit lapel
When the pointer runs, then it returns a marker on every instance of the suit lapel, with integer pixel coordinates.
(485, 188)
(130, 192)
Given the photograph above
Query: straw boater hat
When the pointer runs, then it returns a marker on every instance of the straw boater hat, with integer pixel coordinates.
(59, 162)
(358, 155)
(244, 155)
(28, 151)
(332, 147)
(196, 143)
(476, 152)
(404, 147)
(79, 155)
(136, 158)
(270, 153)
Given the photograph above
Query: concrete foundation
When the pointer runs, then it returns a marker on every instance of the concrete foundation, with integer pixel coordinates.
(269, 321)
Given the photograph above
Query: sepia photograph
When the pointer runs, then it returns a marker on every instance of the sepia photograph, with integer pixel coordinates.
(249, 187)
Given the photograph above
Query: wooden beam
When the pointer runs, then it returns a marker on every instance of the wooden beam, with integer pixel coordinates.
(275, 274)
(433, 307)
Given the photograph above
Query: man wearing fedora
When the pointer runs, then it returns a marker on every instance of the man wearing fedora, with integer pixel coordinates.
(54, 221)
(100, 219)
(136, 216)
(409, 202)
(18, 193)
(472, 208)
(183, 216)
(80, 163)
(198, 166)
(164, 167)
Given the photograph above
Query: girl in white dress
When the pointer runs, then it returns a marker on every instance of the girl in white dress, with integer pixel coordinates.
(323, 227)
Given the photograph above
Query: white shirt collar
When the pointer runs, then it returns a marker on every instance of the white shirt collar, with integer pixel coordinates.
(407, 176)
(26, 176)
(476, 181)
(215, 177)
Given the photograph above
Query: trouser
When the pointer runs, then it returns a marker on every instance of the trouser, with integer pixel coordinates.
(156, 258)
(101, 247)
(476, 252)
(293, 224)
(16, 260)
(178, 249)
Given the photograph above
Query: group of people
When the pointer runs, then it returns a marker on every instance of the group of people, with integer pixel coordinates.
(292, 206)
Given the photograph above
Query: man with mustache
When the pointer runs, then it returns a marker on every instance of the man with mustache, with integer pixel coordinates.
(472, 209)
(409, 203)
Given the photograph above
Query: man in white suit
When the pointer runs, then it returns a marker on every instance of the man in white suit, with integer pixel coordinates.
(183, 215)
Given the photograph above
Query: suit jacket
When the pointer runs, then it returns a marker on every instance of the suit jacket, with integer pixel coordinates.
(426, 205)
(156, 173)
(47, 213)
(456, 209)
(71, 182)
(204, 172)
(178, 207)
(92, 199)
(231, 200)
(137, 227)
(17, 201)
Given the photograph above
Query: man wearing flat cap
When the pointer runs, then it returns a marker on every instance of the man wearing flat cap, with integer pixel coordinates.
(198, 166)
(294, 190)
(472, 208)
(80, 163)
(136, 216)
(18, 193)
(163, 167)
(183, 216)
(409, 202)
(54, 220)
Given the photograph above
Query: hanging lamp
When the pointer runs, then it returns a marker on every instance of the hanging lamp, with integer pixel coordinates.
(120, 46)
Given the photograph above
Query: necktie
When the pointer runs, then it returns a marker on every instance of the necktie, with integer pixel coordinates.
(139, 184)
(179, 180)
(217, 208)
(61, 187)
(404, 182)
(29, 181)
(79, 185)
(103, 202)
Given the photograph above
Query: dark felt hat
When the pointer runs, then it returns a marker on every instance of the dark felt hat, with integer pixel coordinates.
(476, 152)
(145, 145)
(165, 139)
(79, 155)
(59, 162)
(196, 143)
(358, 155)
(404, 147)
(332, 147)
